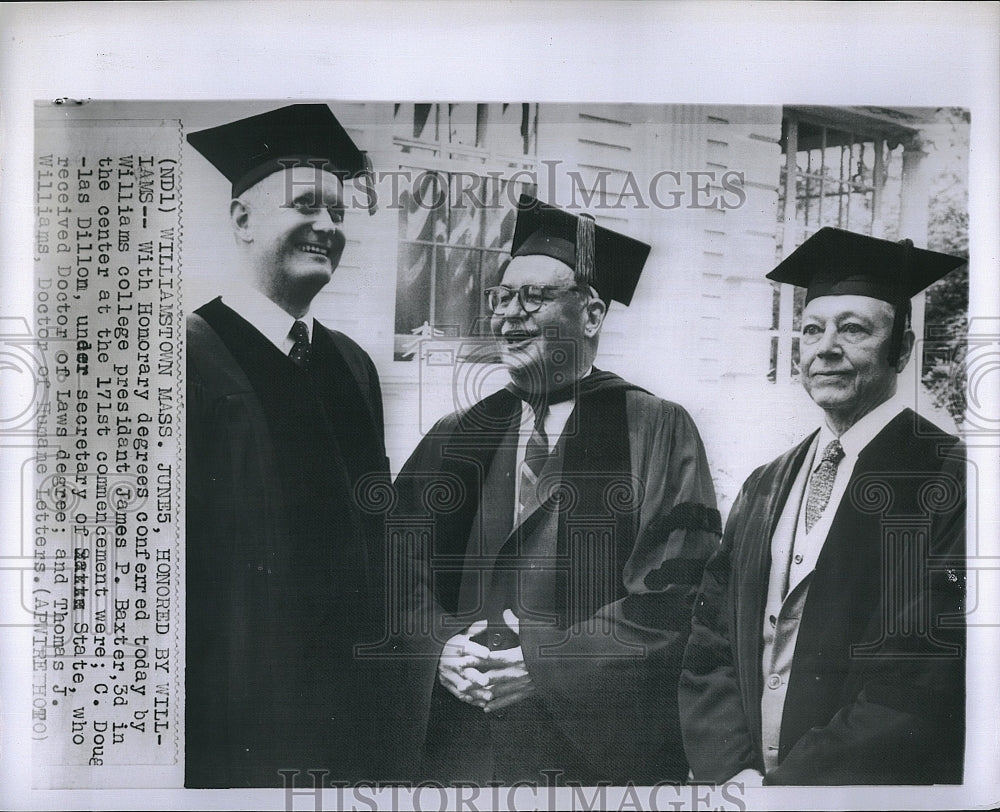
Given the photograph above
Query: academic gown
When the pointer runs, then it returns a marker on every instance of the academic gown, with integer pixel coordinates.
(283, 564)
(876, 693)
(601, 569)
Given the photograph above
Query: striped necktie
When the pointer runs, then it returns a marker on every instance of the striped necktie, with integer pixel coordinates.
(821, 483)
(299, 352)
(535, 453)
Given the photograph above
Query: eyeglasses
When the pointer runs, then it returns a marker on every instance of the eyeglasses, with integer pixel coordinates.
(530, 297)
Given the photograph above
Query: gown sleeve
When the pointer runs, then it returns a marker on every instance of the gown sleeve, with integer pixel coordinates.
(613, 686)
(716, 731)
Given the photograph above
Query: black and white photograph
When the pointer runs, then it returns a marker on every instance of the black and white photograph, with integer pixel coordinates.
(497, 410)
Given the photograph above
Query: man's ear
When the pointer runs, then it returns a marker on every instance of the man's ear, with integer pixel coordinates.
(239, 217)
(594, 314)
(905, 348)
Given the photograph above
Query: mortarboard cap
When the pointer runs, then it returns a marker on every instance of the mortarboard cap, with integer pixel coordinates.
(834, 262)
(609, 261)
(248, 150)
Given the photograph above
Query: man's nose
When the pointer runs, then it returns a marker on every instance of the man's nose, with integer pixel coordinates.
(326, 220)
(511, 312)
(829, 342)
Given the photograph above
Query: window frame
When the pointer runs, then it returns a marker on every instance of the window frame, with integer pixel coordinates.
(448, 160)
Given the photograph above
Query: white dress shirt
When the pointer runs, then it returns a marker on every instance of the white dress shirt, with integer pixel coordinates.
(273, 322)
(794, 553)
(554, 425)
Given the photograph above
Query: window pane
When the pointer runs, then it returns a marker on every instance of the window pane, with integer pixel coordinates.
(455, 230)
(425, 122)
(465, 214)
(529, 121)
(416, 121)
(498, 229)
(413, 286)
(422, 207)
(457, 290)
(482, 124)
(512, 129)
(462, 120)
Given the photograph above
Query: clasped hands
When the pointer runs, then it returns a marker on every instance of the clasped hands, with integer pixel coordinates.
(490, 680)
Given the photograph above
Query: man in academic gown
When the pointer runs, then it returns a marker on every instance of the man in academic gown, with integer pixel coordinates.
(284, 422)
(828, 636)
(568, 518)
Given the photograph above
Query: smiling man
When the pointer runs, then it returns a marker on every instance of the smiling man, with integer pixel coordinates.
(827, 645)
(551, 596)
(284, 418)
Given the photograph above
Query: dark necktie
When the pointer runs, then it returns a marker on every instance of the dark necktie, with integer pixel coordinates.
(535, 453)
(299, 352)
(821, 483)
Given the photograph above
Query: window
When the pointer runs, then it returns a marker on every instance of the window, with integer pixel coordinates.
(836, 172)
(463, 168)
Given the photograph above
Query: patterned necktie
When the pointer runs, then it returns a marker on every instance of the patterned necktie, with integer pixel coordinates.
(535, 454)
(821, 483)
(299, 352)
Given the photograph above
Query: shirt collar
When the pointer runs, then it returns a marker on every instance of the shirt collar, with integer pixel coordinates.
(273, 322)
(854, 440)
(551, 397)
